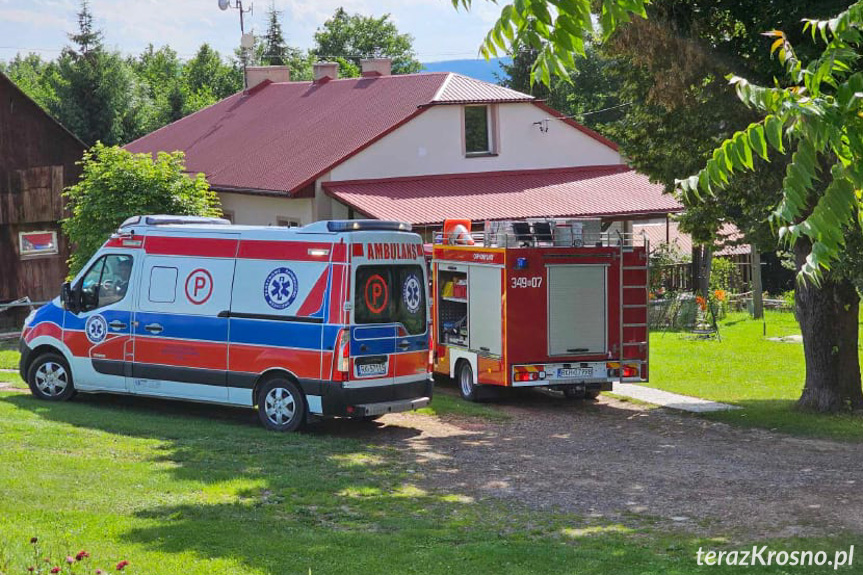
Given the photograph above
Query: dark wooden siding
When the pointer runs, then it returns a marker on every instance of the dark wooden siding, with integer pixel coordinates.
(37, 161)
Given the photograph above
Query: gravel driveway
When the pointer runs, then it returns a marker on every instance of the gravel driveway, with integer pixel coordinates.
(613, 459)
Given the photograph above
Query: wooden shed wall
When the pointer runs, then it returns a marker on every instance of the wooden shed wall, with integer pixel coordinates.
(37, 161)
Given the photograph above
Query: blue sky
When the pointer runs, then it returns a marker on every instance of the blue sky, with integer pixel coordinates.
(40, 26)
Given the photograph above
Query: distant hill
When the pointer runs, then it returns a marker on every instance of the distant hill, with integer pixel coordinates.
(480, 68)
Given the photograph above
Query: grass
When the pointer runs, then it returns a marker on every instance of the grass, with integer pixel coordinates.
(9, 354)
(762, 377)
(180, 488)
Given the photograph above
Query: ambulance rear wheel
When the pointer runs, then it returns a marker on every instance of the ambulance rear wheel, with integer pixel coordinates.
(281, 406)
(50, 378)
(468, 389)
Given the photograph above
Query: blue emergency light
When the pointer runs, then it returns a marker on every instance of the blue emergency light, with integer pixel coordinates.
(521, 263)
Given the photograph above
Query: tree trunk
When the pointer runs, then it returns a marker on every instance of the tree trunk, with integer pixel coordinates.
(705, 262)
(828, 321)
(757, 295)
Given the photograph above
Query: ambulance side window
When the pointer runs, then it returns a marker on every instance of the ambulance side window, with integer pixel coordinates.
(106, 282)
(391, 294)
(163, 284)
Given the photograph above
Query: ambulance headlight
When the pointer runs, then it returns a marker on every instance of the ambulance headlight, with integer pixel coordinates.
(30, 317)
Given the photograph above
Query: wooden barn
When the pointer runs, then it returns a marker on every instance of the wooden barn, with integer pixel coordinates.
(37, 161)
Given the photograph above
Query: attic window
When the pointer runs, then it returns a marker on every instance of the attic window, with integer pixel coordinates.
(478, 131)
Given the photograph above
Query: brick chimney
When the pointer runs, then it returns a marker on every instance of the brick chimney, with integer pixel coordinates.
(257, 74)
(376, 67)
(325, 71)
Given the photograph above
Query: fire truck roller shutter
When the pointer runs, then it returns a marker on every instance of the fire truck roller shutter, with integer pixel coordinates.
(577, 310)
(484, 293)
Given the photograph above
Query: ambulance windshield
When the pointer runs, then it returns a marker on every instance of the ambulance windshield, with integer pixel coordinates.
(391, 294)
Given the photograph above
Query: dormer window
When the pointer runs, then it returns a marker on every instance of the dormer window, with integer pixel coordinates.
(478, 131)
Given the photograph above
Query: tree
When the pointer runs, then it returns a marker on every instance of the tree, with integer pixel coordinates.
(817, 115)
(274, 45)
(209, 78)
(34, 76)
(93, 87)
(349, 38)
(116, 184)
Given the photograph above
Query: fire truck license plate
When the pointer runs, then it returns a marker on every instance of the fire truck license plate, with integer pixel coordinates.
(575, 372)
(372, 369)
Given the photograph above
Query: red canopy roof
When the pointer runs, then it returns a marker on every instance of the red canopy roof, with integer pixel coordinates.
(604, 191)
(281, 137)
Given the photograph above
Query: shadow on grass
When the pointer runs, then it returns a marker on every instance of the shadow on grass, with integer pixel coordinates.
(338, 498)
(780, 415)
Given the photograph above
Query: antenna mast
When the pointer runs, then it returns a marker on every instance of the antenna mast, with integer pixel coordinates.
(246, 42)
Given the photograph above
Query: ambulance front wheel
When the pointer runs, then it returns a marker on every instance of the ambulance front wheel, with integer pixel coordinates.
(50, 378)
(468, 389)
(281, 406)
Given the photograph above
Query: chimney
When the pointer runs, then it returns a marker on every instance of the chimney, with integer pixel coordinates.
(257, 74)
(325, 71)
(376, 67)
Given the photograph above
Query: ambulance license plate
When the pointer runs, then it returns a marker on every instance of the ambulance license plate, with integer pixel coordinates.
(369, 369)
(570, 372)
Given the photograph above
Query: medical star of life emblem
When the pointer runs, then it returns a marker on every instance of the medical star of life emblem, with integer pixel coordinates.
(411, 293)
(96, 328)
(280, 288)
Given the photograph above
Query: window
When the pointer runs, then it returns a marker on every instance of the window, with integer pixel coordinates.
(37, 243)
(287, 222)
(391, 294)
(477, 130)
(163, 284)
(106, 282)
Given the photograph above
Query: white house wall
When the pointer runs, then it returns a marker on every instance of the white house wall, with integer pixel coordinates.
(431, 143)
(250, 209)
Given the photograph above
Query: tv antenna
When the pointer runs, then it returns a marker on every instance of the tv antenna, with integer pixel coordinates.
(247, 41)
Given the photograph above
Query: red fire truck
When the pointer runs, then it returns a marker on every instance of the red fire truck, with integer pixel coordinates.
(556, 304)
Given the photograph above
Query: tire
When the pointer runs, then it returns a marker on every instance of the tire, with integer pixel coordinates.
(464, 377)
(571, 393)
(50, 378)
(371, 418)
(281, 405)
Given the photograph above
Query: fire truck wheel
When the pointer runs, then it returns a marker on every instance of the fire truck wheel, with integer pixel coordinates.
(281, 406)
(468, 389)
(50, 378)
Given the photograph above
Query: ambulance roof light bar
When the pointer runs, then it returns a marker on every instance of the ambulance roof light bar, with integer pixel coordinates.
(168, 220)
(366, 225)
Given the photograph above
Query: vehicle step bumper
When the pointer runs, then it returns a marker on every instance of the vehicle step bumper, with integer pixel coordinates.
(370, 409)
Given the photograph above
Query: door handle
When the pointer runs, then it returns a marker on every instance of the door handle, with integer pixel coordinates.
(117, 324)
(153, 328)
(404, 345)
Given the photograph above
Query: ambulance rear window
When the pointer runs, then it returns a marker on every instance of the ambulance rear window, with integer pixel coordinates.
(391, 294)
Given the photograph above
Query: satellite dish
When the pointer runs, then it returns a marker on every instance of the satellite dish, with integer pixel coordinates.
(247, 41)
(224, 4)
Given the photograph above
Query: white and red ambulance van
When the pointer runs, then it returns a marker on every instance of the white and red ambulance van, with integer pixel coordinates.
(330, 319)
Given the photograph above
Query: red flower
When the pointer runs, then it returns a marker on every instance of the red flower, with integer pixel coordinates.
(99, 572)
(34, 540)
(31, 569)
(122, 565)
(55, 570)
(81, 555)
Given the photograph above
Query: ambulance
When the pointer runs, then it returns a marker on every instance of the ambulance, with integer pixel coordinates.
(558, 304)
(330, 319)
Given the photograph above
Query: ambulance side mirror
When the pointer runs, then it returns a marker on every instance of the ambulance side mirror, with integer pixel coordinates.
(67, 296)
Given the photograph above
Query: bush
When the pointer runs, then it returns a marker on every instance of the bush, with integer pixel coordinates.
(117, 184)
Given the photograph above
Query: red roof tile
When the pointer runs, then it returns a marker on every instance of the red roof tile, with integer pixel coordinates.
(726, 245)
(281, 137)
(571, 192)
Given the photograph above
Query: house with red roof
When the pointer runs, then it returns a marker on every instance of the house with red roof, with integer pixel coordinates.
(418, 148)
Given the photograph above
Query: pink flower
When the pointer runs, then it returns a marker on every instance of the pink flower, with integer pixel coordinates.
(70, 559)
(99, 572)
(122, 565)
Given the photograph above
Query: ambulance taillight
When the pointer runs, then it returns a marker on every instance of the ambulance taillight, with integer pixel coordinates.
(431, 352)
(343, 354)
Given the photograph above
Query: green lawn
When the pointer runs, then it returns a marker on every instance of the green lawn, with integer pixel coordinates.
(180, 488)
(744, 368)
(9, 354)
